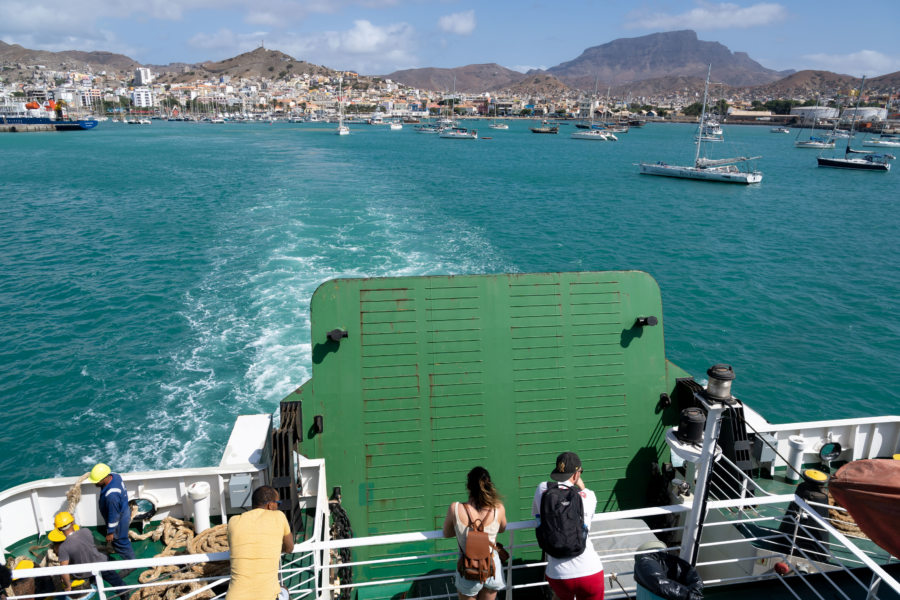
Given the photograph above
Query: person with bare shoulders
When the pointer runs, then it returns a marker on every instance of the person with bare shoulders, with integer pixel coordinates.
(483, 504)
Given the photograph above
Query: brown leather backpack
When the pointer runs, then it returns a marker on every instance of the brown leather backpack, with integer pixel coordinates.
(475, 560)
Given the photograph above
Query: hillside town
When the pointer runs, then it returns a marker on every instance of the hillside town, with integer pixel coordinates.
(314, 96)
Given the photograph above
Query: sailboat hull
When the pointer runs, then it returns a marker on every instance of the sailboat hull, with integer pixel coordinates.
(720, 174)
(860, 164)
(882, 143)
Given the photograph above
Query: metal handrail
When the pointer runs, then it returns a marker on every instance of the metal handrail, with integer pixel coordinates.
(322, 587)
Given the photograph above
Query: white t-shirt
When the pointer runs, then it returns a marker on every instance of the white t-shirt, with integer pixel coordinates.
(586, 563)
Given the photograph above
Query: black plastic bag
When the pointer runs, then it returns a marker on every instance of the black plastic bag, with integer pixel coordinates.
(668, 576)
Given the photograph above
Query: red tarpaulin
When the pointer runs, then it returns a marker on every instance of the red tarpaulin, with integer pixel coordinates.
(870, 491)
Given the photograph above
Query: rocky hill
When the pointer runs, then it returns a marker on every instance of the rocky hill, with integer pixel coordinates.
(660, 55)
(805, 85)
(23, 59)
(540, 85)
(256, 63)
(471, 78)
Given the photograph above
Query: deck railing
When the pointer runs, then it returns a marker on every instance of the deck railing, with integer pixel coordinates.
(742, 540)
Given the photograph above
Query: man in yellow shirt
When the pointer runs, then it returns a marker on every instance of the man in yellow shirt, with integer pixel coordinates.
(256, 540)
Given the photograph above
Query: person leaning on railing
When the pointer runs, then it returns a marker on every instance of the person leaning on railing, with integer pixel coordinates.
(256, 540)
(484, 505)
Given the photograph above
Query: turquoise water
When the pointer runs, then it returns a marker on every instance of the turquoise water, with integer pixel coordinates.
(155, 280)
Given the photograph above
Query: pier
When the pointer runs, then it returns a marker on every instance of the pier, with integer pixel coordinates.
(20, 128)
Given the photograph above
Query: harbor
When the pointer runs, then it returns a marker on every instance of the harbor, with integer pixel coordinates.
(163, 283)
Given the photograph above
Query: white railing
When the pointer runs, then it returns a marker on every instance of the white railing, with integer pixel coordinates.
(741, 542)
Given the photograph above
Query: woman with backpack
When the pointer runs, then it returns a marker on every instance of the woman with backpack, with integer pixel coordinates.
(475, 524)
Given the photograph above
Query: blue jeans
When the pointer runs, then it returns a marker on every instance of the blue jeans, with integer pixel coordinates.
(122, 547)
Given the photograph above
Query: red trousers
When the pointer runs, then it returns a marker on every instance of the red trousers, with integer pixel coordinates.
(589, 587)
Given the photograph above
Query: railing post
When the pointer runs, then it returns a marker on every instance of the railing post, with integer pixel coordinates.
(690, 542)
(509, 564)
(98, 578)
(873, 587)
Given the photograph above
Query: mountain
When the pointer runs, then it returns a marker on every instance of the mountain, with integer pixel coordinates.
(809, 84)
(659, 55)
(538, 85)
(256, 63)
(66, 60)
(471, 78)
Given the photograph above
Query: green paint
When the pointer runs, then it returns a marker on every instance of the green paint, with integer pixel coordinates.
(440, 374)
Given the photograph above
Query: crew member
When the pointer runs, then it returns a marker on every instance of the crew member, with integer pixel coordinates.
(76, 546)
(114, 508)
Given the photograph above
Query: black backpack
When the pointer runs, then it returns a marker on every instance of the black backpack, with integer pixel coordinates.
(561, 532)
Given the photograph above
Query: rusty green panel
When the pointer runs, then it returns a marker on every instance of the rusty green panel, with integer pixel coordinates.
(439, 374)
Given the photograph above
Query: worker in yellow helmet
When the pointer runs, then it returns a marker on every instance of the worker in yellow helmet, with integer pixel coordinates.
(76, 546)
(114, 507)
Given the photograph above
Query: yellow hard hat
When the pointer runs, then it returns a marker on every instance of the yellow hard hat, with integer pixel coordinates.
(63, 519)
(56, 535)
(99, 472)
(24, 564)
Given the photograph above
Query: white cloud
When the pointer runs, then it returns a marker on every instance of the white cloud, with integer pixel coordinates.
(462, 23)
(864, 62)
(227, 42)
(526, 68)
(708, 16)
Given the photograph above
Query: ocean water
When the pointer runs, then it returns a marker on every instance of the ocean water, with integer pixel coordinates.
(155, 280)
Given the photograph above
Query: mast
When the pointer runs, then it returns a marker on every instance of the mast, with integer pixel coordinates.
(855, 114)
(702, 116)
(340, 102)
(812, 129)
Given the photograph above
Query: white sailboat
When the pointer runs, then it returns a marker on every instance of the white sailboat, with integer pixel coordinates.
(814, 141)
(459, 133)
(592, 132)
(342, 129)
(496, 124)
(705, 169)
(884, 140)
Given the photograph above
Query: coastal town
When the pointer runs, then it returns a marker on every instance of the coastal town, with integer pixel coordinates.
(301, 91)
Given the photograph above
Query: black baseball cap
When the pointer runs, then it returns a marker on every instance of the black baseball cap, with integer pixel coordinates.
(566, 465)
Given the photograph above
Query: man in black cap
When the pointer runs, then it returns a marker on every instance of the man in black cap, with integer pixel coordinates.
(575, 574)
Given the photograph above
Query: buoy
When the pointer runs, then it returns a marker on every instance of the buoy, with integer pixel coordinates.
(782, 568)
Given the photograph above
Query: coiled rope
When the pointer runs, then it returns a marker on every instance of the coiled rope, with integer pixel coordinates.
(843, 521)
(177, 534)
(178, 537)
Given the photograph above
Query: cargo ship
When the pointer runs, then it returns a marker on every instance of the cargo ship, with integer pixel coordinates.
(415, 380)
(49, 113)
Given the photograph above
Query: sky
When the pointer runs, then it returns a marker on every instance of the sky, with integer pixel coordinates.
(377, 37)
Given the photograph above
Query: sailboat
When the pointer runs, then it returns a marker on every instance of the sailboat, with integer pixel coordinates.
(590, 132)
(496, 124)
(342, 129)
(814, 141)
(861, 160)
(884, 140)
(705, 169)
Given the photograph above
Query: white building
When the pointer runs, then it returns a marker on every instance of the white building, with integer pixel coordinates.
(142, 76)
(142, 97)
(864, 113)
(808, 113)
